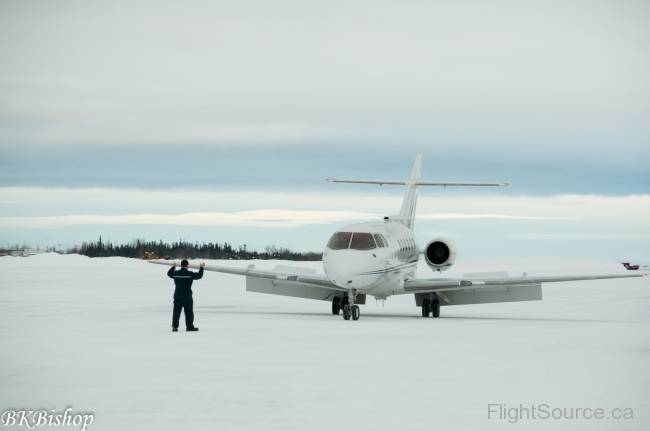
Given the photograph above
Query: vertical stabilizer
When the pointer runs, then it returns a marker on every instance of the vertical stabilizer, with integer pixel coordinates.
(407, 213)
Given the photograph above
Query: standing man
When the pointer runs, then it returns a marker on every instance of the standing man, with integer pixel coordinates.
(183, 294)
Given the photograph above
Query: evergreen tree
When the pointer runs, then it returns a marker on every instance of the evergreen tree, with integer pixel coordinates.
(186, 250)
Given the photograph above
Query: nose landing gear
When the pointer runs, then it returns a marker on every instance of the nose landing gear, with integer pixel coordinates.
(349, 309)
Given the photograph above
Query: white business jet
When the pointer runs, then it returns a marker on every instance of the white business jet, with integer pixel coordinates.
(380, 258)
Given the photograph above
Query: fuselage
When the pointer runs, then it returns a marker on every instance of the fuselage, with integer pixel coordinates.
(372, 258)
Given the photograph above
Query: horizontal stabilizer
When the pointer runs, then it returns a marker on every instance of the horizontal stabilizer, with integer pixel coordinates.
(447, 184)
(418, 183)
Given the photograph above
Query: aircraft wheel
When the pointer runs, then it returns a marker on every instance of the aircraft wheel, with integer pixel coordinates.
(425, 308)
(435, 308)
(336, 305)
(346, 312)
(356, 313)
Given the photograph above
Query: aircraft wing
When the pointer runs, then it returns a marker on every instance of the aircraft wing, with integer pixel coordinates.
(281, 277)
(451, 284)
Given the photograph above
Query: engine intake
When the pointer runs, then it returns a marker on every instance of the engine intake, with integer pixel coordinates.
(440, 254)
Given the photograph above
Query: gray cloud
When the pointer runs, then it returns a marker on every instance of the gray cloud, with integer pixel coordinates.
(305, 167)
(277, 96)
(506, 75)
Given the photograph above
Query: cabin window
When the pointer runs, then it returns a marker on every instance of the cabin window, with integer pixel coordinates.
(379, 240)
(340, 241)
(362, 241)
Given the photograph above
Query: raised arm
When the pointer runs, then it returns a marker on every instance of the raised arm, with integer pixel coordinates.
(170, 273)
(198, 276)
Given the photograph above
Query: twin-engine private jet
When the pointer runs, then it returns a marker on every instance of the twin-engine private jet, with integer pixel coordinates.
(380, 258)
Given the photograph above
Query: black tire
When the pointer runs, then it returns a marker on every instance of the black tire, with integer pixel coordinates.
(435, 308)
(356, 313)
(336, 305)
(425, 308)
(346, 312)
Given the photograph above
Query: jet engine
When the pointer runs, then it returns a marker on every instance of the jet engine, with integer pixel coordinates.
(440, 254)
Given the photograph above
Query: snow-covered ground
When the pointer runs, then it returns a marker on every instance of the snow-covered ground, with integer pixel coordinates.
(94, 335)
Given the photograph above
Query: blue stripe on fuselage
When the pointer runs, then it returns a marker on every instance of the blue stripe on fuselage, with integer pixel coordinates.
(392, 268)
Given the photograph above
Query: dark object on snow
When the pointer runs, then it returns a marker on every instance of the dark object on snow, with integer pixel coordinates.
(149, 255)
(630, 267)
(183, 294)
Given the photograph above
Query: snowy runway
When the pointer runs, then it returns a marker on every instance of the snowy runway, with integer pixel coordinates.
(94, 334)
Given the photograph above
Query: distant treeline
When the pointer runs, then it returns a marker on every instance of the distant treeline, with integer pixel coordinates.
(187, 250)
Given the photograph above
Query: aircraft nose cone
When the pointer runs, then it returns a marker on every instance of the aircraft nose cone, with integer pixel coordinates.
(350, 269)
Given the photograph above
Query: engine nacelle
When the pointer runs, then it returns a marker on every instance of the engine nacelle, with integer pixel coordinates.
(440, 254)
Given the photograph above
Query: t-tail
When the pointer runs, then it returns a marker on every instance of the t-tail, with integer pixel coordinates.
(407, 212)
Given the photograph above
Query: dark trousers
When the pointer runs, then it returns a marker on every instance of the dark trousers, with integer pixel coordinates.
(187, 303)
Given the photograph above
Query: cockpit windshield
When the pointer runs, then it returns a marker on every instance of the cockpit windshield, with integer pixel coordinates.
(340, 240)
(359, 241)
(362, 241)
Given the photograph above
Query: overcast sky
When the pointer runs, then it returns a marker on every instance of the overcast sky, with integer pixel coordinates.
(228, 100)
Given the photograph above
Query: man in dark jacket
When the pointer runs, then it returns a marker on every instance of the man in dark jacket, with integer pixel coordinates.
(183, 294)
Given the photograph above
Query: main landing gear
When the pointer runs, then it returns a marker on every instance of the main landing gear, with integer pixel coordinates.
(350, 310)
(337, 304)
(431, 307)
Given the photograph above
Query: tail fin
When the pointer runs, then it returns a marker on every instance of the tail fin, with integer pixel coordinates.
(407, 213)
